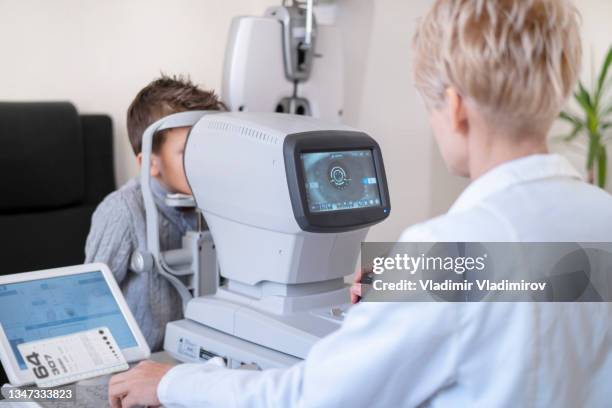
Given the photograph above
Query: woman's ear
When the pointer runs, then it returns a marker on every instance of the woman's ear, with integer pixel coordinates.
(457, 111)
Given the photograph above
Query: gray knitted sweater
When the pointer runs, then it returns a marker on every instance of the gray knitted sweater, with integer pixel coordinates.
(117, 229)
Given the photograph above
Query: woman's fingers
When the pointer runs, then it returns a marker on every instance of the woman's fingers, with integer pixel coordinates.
(355, 293)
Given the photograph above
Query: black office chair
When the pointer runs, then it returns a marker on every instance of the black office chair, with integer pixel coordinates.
(55, 167)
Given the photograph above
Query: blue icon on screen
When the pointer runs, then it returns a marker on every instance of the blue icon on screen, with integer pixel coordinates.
(368, 180)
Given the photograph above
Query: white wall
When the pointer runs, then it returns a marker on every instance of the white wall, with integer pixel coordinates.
(98, 54)
(380, 100)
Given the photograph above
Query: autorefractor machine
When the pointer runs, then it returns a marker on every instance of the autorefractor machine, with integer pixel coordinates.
(288, 200)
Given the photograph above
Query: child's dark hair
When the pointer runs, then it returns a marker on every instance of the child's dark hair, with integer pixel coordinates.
(162, 97)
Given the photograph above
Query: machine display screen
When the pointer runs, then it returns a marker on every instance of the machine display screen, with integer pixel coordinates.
(51, 307)
(341, 180)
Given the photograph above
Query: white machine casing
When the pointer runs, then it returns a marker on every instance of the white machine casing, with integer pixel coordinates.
(248, 205)
(254, 78)
(284, 286)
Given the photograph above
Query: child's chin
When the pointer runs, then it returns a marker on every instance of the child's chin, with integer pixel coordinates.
(185, 191)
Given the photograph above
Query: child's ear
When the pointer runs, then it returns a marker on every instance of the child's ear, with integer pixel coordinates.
(458, 115)
(155, 171)
(155, 166)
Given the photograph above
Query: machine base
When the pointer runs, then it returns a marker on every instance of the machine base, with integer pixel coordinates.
(308, 319)
(191, 342)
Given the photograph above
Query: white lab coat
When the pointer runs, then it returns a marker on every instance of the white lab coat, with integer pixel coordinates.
(452, 355)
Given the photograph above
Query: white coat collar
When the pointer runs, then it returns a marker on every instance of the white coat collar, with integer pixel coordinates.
(518, 171)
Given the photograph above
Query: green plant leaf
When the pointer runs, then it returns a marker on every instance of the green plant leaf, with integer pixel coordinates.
(602, 166)
(595, 122)
(602, 77)
(583, 97)
(577, 128)
(593, 151)
(573, 119)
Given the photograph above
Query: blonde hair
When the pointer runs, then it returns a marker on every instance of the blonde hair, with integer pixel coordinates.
(515, 59)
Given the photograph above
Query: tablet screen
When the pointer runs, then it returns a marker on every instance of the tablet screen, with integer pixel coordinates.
(52, 307)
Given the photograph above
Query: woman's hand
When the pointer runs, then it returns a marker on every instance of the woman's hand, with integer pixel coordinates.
(356, 286)
(137, 386)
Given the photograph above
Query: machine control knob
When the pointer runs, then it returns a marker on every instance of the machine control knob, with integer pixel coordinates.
(141, 261)
(337, 312)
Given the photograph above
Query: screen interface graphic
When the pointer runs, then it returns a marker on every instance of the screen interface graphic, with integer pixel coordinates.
(343, 180)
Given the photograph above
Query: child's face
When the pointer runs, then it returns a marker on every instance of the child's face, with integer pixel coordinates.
(168, 162)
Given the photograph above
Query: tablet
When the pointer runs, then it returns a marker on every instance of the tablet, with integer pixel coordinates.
(56, 302)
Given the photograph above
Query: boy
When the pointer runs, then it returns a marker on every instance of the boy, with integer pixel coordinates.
(495, 74)
(118, 224)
